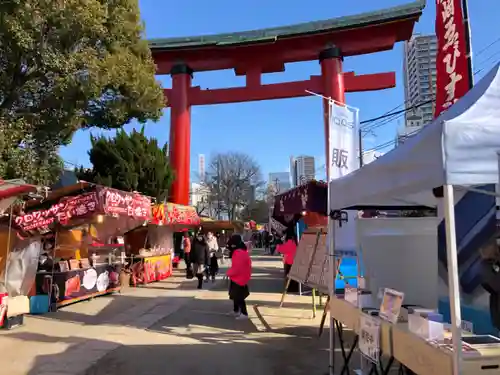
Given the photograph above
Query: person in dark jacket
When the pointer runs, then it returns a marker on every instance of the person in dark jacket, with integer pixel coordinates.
(199, 257)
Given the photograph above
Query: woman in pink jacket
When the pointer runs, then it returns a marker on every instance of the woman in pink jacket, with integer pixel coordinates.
(239, 274)
(289, 249)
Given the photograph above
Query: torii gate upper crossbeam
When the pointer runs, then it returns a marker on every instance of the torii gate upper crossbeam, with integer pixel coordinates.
(257, 92)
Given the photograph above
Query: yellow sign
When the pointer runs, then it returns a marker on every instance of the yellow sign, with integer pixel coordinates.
(157, 268)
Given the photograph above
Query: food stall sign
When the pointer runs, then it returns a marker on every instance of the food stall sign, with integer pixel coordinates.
(121, 203)
(171, 214)
(72, 207)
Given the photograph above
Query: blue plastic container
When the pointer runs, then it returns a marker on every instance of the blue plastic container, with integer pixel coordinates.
(39, 304)
(349, 269)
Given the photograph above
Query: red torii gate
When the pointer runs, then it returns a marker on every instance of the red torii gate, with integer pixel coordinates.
(267, 51)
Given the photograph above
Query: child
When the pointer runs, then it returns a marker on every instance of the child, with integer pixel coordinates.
(239, 274)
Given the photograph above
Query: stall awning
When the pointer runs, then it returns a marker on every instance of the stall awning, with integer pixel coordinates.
(310, 197)
(211, 224)
(10, 190)
(72, 210)
(174, 214)
(458, 148)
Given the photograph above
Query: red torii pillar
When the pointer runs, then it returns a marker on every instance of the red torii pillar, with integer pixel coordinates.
(333, 85)
(180, 133)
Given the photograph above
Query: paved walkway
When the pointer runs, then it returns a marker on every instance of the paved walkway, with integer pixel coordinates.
(171, 327)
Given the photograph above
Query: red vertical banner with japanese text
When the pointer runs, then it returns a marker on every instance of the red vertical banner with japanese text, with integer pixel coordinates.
(452, 78)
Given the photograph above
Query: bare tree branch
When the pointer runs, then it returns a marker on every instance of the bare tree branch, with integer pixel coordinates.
(232, 181)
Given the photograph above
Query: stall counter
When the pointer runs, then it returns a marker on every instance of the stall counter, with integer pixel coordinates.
(80, 284)
(149, 269)
(349, 315)
(422, 357)
(414, 352)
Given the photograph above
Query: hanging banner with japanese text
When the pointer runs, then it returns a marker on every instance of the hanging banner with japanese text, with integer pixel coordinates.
(344, 123)
(344, 159)
(452, 77)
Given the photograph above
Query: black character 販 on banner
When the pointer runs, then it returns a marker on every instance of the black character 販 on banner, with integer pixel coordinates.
(339, 158)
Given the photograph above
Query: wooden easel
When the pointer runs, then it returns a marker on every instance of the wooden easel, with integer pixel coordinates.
(289, 279)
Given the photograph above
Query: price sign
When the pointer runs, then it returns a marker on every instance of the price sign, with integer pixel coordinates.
(351, 295)
(369, 337)
(467, 326)
(391, 305)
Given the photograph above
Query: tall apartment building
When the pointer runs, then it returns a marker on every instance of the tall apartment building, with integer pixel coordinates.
(419, 71)
(302, 169)
(280, 181)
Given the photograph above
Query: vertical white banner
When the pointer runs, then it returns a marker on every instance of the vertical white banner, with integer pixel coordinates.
(344, 125)
(344, 159)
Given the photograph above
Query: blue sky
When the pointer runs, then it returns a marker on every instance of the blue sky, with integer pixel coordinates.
(271, 131)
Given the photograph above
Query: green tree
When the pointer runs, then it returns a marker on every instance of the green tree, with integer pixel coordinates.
(67, 65)
(129, 162)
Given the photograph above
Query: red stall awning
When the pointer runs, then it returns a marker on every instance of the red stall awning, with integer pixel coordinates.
(175, 214)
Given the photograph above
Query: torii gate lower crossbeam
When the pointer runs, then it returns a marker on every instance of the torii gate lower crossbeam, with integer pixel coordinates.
(332, 83)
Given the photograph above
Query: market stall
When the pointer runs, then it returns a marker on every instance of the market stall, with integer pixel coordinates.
(151, 247)
(459, 152)
(305, 207)
(223, 229)
(17, 269)
(208, 224)
(80, 228)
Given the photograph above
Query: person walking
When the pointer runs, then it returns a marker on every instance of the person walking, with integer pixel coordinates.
(277, 241)
(186, 246)
(199, 258)
(239, 274)
(267, 242)
(213, 249)
(289, 249)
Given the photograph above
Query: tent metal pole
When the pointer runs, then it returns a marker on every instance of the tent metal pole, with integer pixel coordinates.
(453, 283)
(332, 271)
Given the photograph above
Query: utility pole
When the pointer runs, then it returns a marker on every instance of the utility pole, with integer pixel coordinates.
(431, 89)
(360, 146)
(277, 185)
(468, 42)
(218, 188)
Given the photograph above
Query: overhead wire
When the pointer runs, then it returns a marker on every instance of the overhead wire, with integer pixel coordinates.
(393, 115)
(390, 116)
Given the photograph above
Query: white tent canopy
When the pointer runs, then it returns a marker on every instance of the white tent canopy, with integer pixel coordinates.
(459, 148)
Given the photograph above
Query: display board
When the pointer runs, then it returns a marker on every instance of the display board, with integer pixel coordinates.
(319, 261)
(303, 257)
(311, 266)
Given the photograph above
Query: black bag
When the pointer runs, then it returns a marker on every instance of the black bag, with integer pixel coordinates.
(189, 273)
(238, 292)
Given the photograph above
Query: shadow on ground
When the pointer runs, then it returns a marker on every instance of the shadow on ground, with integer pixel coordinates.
(223, 354)
(199, 338)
